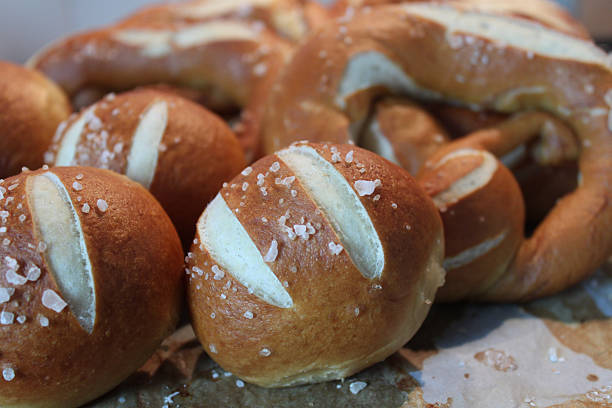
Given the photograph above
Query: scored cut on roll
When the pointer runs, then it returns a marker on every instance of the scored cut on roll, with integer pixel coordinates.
(175, 148)
(90, 284)
(31, 108)
(329, 262)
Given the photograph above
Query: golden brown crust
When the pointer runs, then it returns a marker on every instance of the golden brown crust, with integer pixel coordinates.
(482, 230)
(413, 134)
(31, 108)
(177, 45)
(136, 260)
(544, 12)
(340, 321)
(196, 154)
(507, 78)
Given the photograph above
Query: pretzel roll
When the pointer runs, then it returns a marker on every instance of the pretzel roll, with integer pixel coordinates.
(439, 52)
(220, 48)
(31, 108)
(329, 261)
(403, 133)
(90, 284)
(483, 215)
(175, 148)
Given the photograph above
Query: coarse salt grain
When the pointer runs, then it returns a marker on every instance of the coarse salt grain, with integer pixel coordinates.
(44, 322)
(272, 252)
(5, 294)
(335, 248)
(212, 348)
(79, 176)
(247, 171)
(11, 263)
(265, 352)
(8, 374)
(219, 273)
(366, 187)
(239, 383)
(21, 319)
(14, 278)
(102, 205)
(357, 386)
(33, 273)
(245, 186)
(53, 301)
(275, 167)
(77, 186)
(22, 218)
(85, 208)
(7, 317)
(349, 157)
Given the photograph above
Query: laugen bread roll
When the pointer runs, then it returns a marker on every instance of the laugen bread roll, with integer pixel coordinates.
(178, 150)
(31, 108)
(483, 214)
(90, 284)
(328, 262)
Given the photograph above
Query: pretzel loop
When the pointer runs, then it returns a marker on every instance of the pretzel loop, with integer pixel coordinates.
(453, 55)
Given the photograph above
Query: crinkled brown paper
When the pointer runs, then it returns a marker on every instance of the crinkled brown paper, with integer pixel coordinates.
(555, 352)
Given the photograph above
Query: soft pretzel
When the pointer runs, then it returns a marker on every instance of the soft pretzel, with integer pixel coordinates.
(440, 52)
(91, 284)
(403, 133)
(175, 148)
(543, 12)
(471, 187)
(328, 262)
(220, 48)
(31, 108)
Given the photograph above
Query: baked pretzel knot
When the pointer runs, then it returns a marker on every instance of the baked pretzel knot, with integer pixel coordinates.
(562, 85)
(228, 50)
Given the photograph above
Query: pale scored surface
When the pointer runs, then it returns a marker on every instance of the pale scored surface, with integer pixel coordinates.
(474, 180)
(59, 226)
(341, 205)
(236, 254)
(144, 153)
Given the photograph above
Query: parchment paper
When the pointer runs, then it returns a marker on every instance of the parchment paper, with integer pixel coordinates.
(555, 352)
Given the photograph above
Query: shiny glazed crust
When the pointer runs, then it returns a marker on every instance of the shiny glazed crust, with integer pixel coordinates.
(31, 108)
(338, 321)
(432, 49)
(196, 151)
(135, 257)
